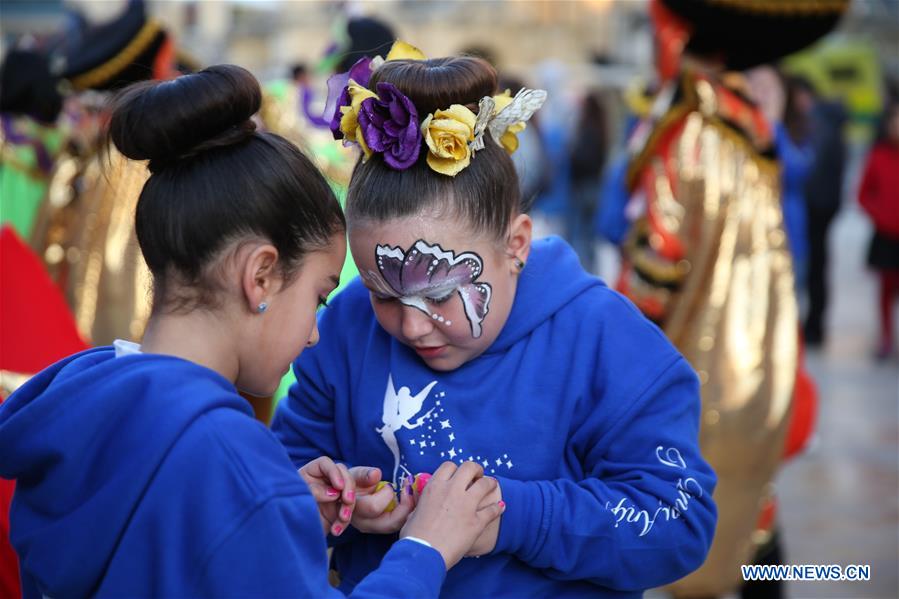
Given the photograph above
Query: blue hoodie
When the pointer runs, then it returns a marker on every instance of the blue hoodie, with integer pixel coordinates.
(581, 408)
(146, 475)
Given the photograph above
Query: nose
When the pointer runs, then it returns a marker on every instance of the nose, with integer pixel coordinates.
(314, 336)
(416, 324)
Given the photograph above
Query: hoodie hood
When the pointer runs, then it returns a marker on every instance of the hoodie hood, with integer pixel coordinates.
(75, 438)
(552, 278)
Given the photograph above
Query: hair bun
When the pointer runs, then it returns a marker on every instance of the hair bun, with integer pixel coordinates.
(167, 121)
(438, 83)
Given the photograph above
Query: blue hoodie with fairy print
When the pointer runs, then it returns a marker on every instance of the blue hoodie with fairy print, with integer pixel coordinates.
(581, 408)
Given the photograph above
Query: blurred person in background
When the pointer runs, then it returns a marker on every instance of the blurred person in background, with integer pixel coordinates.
(30, 138)
(823, 196)
(553, 201)
(795, 151)
(708, 260)
(84, 230)
(879, 197)
(587, 157)
(611, 222)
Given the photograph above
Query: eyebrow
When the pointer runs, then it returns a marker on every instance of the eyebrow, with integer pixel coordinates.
(428, 292)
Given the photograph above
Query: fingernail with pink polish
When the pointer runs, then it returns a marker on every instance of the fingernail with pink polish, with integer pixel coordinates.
(502, 504)
(345, 513)
(351, 496)
(332, 492)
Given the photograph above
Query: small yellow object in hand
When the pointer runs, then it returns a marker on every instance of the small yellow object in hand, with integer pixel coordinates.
(392, 505)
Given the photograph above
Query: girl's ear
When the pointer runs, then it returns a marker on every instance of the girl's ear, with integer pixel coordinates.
(518, 245)
(260, 277)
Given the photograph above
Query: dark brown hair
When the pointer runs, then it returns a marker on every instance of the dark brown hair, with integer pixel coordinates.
(797, 122)
(215, 180)
(485, 193)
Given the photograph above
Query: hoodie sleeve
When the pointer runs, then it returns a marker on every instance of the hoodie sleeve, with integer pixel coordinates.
(642, 514)
(276, 550)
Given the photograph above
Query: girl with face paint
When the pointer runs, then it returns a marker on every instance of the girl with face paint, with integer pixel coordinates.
(464, 339)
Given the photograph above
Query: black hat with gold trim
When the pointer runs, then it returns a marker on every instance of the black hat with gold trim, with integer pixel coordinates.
(746, 33)
(128, 49)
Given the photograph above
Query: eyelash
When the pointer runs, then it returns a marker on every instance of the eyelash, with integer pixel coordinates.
(434, 301)
(322, 302)
(441, 300)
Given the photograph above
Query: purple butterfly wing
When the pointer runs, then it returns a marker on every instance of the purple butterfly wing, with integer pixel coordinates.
(476, 301)
(445, 269)
(390, 265)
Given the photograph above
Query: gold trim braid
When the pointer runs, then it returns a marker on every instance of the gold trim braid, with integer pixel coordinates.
(120, 61)
(785, 7)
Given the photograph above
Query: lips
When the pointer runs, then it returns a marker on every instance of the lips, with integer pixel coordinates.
(430, 352)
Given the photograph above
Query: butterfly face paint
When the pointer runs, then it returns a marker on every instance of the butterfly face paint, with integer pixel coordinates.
(425, 275)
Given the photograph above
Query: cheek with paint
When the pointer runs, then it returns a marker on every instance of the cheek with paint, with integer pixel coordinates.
(425, 276)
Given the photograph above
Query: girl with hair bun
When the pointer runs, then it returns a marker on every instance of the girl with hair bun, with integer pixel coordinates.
(465, 340)
(176, 490)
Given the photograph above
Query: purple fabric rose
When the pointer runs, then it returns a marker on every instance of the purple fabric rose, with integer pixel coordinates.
(339, 96)
(390, 126)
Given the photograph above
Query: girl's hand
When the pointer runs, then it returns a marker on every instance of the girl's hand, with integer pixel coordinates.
(334, 489)
(485, 543)
(449, 515)
(371, 513)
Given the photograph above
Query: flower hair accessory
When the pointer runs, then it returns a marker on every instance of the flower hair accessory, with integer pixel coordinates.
(385, 121)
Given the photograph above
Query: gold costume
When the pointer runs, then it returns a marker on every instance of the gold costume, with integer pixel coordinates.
(708, 261)
(85, 233)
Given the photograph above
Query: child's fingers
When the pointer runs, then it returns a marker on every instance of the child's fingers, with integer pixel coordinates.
(445, 471)
(341, 474)
(467, 474)
(490, 513)
(345, 513)
(387, 522)
(323, 468)
(324, 493)
(372, 506)
(338, 527)
(365, 477)
(394, 520)
(493, 497)
(482, 488)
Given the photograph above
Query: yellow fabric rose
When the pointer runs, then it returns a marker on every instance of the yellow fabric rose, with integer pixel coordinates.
(509, 138)
(400, 50)
(349, 122)
(448, 133)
